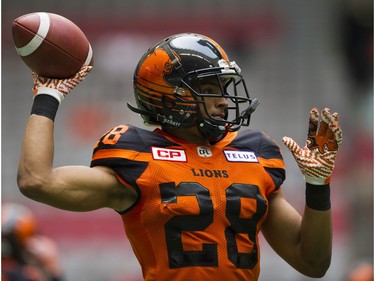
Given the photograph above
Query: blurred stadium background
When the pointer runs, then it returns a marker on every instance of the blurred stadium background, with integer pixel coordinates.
(294, 55)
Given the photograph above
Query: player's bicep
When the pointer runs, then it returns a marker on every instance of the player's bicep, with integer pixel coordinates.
(81, 188)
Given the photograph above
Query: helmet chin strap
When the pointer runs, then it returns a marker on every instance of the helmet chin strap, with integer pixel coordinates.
(214, 132)
(211, 131)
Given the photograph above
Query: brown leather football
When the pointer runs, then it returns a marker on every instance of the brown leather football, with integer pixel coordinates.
(51, 45)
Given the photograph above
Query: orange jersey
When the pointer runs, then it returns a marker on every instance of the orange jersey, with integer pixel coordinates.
(200, 208)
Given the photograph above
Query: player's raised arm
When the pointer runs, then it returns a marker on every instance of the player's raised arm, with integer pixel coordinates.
(307, 244)
(36, 177)
(76, 188)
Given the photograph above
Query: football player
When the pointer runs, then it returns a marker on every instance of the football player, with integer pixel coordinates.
(195, 192)
(26, 255)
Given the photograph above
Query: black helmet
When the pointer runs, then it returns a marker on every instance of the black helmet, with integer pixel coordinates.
(168, 79)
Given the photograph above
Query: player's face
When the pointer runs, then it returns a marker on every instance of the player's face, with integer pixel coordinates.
(215, 106)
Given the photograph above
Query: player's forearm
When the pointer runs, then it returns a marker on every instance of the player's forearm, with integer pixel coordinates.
(35, 166)
(316, 241)
(316, 231)
(316, 161)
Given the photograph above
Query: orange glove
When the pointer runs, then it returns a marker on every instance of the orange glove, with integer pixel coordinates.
(58, 88)
(317, 158)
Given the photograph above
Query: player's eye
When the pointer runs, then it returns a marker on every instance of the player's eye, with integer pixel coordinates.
(207, 92)
(211, 91)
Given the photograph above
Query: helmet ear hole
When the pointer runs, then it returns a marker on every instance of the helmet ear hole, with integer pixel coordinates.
(168, 102)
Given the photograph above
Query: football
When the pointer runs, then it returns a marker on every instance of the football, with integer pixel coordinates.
(51, 45)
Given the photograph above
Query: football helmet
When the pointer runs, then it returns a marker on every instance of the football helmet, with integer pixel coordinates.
(17, 220)
(168, 84)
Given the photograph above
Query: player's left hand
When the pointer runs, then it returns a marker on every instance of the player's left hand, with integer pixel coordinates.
(317, 158)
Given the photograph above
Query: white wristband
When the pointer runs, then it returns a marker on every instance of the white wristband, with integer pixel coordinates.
(52, 92)
(315, 181)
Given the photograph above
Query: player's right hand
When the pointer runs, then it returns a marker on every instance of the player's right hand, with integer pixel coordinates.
(58, 88)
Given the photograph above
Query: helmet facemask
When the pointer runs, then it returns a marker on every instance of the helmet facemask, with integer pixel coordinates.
(229, 85)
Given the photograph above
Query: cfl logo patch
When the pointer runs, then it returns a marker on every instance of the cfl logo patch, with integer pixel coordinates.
(204, 151)
(167, 154)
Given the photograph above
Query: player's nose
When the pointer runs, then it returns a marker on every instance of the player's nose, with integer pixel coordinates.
(221, 102)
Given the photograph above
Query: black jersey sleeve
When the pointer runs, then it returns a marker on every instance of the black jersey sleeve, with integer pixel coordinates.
(266, 148)
(127, 150)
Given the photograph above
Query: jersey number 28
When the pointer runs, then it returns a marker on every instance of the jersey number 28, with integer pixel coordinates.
(209, 256)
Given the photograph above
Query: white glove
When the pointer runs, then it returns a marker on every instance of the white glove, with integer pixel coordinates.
(58, 88)
(317, 158)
